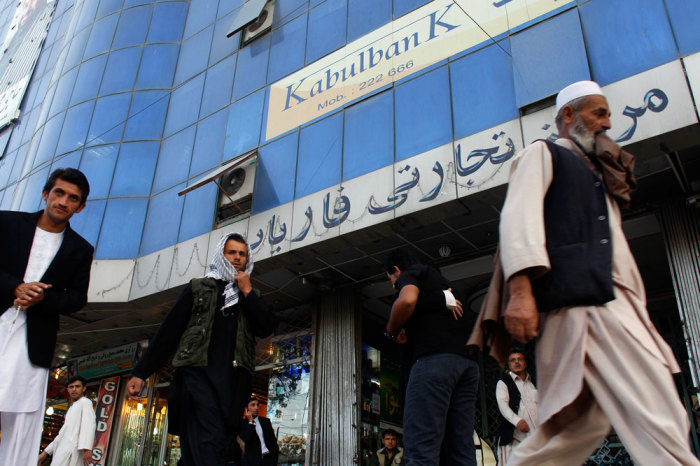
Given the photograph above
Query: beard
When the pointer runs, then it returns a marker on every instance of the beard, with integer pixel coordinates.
(582, 136)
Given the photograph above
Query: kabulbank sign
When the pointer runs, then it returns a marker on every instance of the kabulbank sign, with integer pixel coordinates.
(432, 33)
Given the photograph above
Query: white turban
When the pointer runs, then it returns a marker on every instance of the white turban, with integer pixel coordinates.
(576, 90)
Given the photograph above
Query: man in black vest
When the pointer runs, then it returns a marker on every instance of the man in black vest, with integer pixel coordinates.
(44, 272)
(210, 335)
(516, 396)
(574, 284)
(259, 441)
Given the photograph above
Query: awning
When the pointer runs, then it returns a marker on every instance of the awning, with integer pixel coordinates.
(246, 15)
(240, 161)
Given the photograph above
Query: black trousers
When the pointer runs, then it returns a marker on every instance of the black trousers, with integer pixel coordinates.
(204, 437)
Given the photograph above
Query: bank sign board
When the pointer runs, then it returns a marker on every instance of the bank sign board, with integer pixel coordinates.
(415, 41)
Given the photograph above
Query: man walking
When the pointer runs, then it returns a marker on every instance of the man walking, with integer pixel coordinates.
(259, 441)
(73, 444)
(443, 379)
(516, 396)
(574, 283)
(44, 272)
(210, 335)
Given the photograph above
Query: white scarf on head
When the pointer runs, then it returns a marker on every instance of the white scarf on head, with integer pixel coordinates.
(221, 269)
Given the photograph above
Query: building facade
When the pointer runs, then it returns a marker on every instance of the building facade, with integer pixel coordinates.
(330, 132)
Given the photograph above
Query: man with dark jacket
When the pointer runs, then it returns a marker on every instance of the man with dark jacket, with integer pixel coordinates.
(259, 441)
(574, 284)
(210, 335)
(443, 378)
(44, 272)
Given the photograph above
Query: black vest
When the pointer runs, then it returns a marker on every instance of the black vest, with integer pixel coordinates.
(505, 433)
(578, 240)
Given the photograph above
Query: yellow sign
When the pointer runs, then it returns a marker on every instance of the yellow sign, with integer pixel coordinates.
(426, 36)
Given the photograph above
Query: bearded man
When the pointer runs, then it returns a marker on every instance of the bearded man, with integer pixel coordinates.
(574, 283)
(210, 335)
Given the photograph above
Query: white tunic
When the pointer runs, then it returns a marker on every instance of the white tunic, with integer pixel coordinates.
(77, 433)
(17, 374)
(527, 411)
(561, 348)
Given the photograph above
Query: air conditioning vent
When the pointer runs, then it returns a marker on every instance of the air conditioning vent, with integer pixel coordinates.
(237, 195)
(261, 25)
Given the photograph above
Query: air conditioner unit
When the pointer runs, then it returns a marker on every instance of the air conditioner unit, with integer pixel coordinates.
(237, 195)
(261, 25)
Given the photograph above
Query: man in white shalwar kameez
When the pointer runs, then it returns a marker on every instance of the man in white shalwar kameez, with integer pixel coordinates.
(73, 444)
(600, 361)
(44, 272)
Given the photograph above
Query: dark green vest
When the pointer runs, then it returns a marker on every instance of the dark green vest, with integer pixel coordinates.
(194, 344)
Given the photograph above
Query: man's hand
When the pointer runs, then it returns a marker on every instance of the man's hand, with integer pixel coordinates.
(522, 426)
(521, 316)
(248, 415)
(401, 338)
(242, 281)
(87, 457)
(42, 458)
(29, 294)
(134, 387)
(456, 310)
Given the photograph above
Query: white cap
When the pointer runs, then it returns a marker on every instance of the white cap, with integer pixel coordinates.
(576, 90)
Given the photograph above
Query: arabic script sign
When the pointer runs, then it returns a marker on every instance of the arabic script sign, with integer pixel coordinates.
(413, 42)
(106, 362)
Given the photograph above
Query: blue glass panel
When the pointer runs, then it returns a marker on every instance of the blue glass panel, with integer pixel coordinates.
(483, 93)
(133, 26)
(222, 46)
(101, 36)
(120, 234)
(209, 144)
(202, 14)
(194, 55)
(49, 138)
(6, 168)
(31, 200)
(55, 29)
(162, 221)
(135, 168)
(63, 92)
(369, 135)
(319, 156)
(108, 6)
(75, 127)
(147, 115)
(98, 166)
(537, 73)
(401, 7)
(19, 163)
(184, 105)
(226, 6)
(217, 89)
(685, 21)
(120, 73)
(130, 3)
(87, 14)
(7, 196)
(89, 78)
(287, 10)
(327, 27)
(77, 47)
(367, 15)
(251, 68)
(274, 180)
(87, 223)
(287, 49)
(108, 120)
(30, 122)
(243, 128)
(71, 160)
(168, 22)
(198, 214)
(639, 30)
(157, 66)
(427, 95)
(174, 160)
